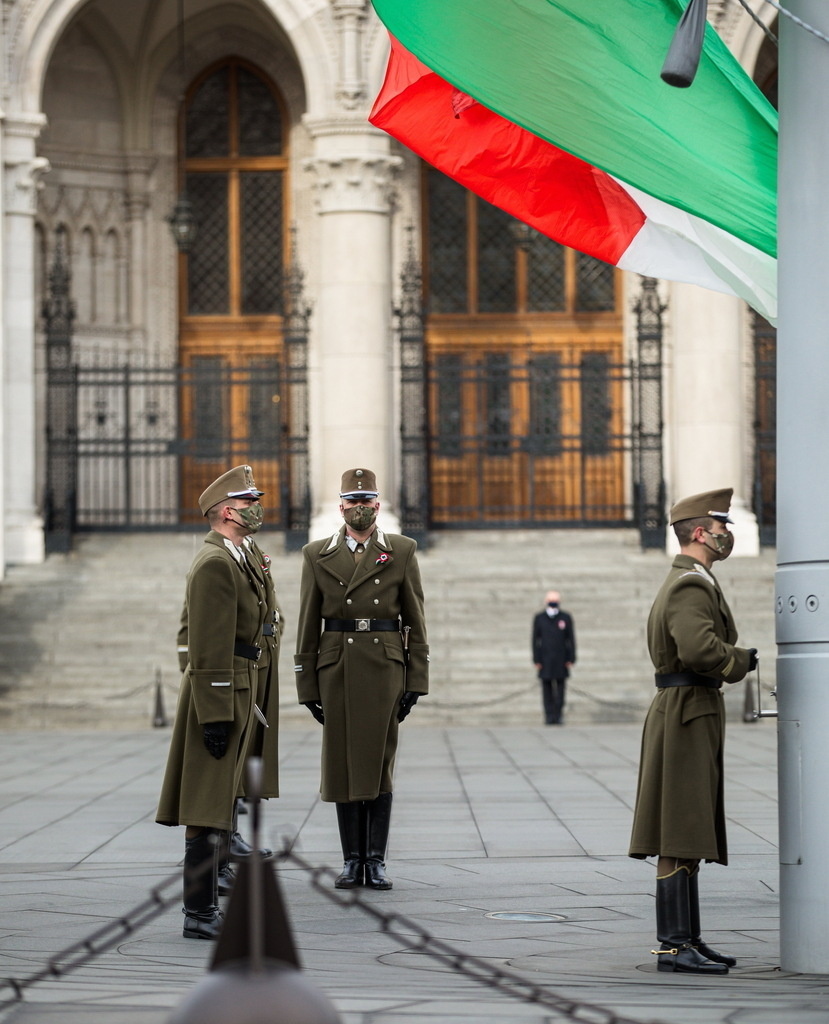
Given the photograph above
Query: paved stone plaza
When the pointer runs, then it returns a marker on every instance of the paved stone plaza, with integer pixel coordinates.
(486, 821)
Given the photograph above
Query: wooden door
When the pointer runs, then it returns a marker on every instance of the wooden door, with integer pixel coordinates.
(527, 382)
(233, 168)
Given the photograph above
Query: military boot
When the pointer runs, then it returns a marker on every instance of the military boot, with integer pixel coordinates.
(351, 821)
(202, 917)
(240, 849)
(696, 941)
(673, 928)
(226, 875)
(378, 813)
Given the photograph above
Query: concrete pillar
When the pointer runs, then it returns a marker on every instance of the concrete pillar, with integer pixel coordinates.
(710, 412)
(22, 169)
(350, 373)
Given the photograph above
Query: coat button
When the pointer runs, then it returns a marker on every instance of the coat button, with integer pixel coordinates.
(348, 600)
(351, 639)
(377, 600)
(376, 640)
(377, 581)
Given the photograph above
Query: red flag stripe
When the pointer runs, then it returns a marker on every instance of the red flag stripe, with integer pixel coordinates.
(561, 196)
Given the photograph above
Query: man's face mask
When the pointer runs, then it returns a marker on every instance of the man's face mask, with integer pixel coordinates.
(723, 544)
(252, 517)
(360, 517)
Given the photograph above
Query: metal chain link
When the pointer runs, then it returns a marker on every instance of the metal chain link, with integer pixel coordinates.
(398, 926)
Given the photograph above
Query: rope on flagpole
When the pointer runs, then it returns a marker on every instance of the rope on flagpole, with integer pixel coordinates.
(798, 21)
(758, 20)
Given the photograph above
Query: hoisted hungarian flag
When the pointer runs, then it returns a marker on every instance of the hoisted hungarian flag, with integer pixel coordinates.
(554, 111)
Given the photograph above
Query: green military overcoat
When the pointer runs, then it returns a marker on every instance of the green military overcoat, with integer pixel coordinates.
(360, 677)
(680, 810)
(264, 742)
(224, 606)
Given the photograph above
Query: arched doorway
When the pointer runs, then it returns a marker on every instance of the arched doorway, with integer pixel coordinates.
(233, 165)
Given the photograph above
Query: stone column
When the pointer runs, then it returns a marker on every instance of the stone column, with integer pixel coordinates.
(709, 408)
(22, 169)
(351, 367)
(137, 202)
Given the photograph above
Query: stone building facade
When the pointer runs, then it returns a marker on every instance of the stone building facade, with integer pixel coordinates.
(110, 109)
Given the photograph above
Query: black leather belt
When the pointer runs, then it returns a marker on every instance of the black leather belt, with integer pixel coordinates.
(664, 679)
(249, 651)
(269, 629)
(362, 625)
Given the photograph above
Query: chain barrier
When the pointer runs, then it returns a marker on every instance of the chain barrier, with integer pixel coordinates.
(401, 928)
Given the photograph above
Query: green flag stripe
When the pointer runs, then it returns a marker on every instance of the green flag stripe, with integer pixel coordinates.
(584, 74)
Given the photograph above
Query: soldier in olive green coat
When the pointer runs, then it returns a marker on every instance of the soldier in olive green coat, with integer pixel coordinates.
(361, 664)
(214, 720)
(264, 741)
(680, 811)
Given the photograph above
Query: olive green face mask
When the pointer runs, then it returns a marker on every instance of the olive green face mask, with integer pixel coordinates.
(252, 517)
(360, 517)
(723, 544)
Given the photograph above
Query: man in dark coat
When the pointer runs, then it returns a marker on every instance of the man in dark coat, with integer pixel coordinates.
(680, 811)
(226, 613)
(554, 654)
(361, 664)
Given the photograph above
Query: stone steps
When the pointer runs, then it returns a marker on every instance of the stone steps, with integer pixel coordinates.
(87, 635)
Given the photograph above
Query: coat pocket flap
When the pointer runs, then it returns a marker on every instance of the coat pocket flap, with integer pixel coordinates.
(328, 657)
(707, 703)
(394, 653)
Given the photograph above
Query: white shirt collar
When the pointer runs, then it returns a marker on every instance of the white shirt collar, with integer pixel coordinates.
(235, 551)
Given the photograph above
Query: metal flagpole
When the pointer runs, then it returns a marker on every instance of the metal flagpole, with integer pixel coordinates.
(802, 579)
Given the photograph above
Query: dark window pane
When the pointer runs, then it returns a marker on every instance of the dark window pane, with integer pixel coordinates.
(260, 124)
(211, 419)
(595, 404)
(498, 405)
(448, 417)
(261, 193)
(447, 287)
(545, 405)
(595, 285)
(207, 265)
(206, 132)
(545, 276)
(496, 260)
(264, 405)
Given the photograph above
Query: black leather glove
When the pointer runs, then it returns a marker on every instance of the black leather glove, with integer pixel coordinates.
(407, 702)
(315, 708)
(753, 658)
(216, 735)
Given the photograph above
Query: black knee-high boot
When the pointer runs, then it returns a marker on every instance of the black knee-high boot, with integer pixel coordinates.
(673, 928)
(351, 822)
(377, 840)
(202, 917)
(226, 875)
(696, 941)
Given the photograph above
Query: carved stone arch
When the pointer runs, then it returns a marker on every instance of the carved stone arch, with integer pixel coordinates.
(377, 54)
(35, 26)
(746, 37)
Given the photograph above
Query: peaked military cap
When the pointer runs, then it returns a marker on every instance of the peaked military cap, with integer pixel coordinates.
(710, 503)
(358, 483)
(235, 483)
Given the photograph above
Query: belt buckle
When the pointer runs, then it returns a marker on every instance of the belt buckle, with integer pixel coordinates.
(362, 625)
(258, 652)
